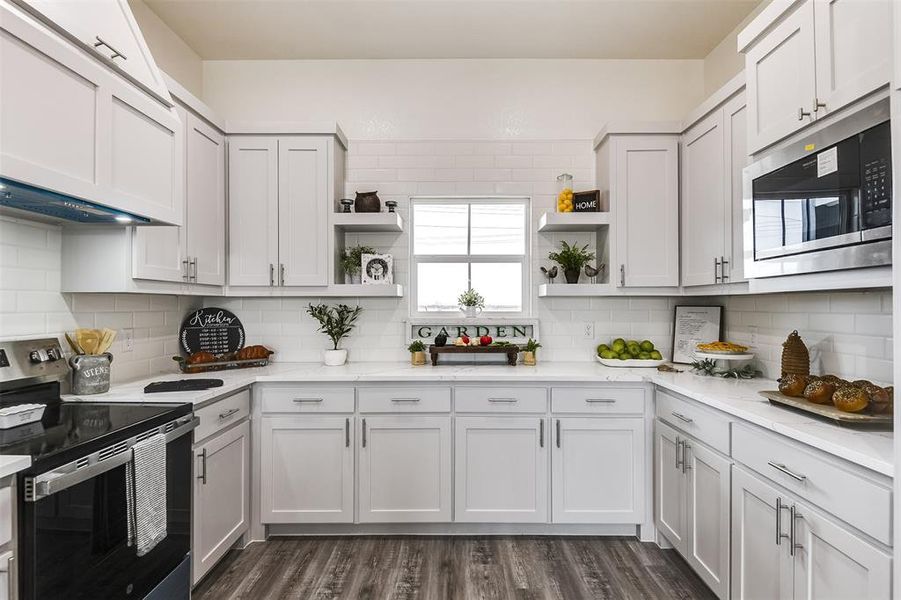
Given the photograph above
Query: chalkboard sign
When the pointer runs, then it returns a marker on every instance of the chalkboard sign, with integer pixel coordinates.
(587, 201)
(213, 330)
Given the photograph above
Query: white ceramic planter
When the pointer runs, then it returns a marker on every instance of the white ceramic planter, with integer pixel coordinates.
(471, 312)
(334, 358)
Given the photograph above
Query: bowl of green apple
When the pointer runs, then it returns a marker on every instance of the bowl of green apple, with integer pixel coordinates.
(629, 353)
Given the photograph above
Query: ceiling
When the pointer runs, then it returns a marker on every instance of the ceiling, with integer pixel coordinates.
(432, 29)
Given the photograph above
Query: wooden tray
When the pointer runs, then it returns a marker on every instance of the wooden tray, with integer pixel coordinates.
(511, 351)
(222, 365)
(827, 411)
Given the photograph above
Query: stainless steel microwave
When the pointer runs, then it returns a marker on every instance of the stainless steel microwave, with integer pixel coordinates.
(824, 203)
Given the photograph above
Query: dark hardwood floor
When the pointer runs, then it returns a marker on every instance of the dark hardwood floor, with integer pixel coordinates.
(452, 568)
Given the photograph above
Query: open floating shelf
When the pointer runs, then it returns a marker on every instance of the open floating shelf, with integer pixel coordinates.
(381, 222)
(584, 221)
(356, 290)
(571, 290)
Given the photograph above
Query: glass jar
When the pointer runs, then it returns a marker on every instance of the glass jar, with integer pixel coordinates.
(565, 193)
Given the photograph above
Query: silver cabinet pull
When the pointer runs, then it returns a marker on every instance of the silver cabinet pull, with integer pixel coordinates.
(364, 433)
(228, 413)
(281, 274)
(185, 265)
(271, 274)
(406, 400)
(558, 433)
(308, 400)
(793, 515)
(600, 400)
(802, 113)
(817, 105)
(116, 54)
(194, 269)
(779, 535)
(502, 400)
(541, 433)
(682, 417)
(202, 476)
(783, 469)
(622, 275)
(723, 263)
(347, 432)
(678, 453)
(716, 270)
(686, 448)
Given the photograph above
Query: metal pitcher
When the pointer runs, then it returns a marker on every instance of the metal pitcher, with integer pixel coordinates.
(90, 373)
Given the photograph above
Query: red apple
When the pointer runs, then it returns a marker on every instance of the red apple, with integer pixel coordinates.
(485, 340)
(466, 339)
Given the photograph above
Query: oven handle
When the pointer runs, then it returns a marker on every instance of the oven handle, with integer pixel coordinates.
(47, 484)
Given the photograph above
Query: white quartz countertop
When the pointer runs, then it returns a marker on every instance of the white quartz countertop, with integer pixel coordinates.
(873, 450)
(12, 464)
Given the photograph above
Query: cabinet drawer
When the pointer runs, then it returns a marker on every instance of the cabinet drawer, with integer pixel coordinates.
(404, 399)
(602, 400)
(507, 399)
(707, 425)
(818, 478)
(297, 399)
(221, 414)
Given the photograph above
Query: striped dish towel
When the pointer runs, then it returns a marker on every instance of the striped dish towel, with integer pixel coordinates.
(145, 492)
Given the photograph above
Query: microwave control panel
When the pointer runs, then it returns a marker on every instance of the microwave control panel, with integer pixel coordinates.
(876, 178)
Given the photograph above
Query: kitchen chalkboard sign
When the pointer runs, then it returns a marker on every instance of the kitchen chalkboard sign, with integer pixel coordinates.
(213, 330)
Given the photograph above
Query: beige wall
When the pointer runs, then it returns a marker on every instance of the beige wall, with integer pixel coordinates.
(724, 62)
(171, 53)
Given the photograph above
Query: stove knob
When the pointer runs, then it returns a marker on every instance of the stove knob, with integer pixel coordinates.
(38, 356)
(54, 354)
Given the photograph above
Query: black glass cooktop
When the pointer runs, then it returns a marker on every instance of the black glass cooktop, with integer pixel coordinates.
(70, 430)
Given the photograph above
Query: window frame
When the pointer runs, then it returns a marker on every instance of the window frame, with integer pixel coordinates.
(524, 259)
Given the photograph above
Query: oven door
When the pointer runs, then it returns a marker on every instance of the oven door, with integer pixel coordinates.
(74, 541)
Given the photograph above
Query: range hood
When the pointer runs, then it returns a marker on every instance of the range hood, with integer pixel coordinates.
(55, 207)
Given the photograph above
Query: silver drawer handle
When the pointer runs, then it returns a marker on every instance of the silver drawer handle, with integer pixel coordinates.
(600, 400)
(308, 400)
(116, 53)
(683, 418)
(228, 413)
(406, 399)
(783, 469)
(508, 400)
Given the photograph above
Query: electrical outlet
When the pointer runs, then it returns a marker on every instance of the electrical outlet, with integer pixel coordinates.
(588, 328)
(752, 330)
(128, 340)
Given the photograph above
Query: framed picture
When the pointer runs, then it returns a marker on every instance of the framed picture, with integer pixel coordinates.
(693, 325)
(377, 269)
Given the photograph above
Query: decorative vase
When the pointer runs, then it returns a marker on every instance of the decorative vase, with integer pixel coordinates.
(440, 340)
(417, 358)
(367, 202)
(528, 358)
(334, 358)
(795, 356)
(471, 312)
(353, 278)
(572, 275)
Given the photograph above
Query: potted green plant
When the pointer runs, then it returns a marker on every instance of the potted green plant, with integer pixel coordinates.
(351, 262)
(471, 303)
(417, 352)
(572, 258)
(528, 352)
(336, 322)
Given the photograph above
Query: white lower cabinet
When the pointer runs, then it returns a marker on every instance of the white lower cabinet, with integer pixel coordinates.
(501, 470)
(306, 469)
(597, 468)
(221, 496)
(669, 486)
(405, 469)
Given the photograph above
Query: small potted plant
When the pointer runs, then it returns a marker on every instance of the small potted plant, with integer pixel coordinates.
(336, 322)
(572, 258)
(351, 262)
(471, 303)
(528, 352)
(417, 352)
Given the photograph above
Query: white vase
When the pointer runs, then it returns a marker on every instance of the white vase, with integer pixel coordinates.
(471, 312)
(334, 358)
(353, 279)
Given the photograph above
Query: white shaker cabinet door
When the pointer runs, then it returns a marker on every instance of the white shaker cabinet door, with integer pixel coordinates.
(646, 198)
(832, 562)
(598, 470)
(854, 50)
(205, 202)
(501, 470)
(306, 470)
(761, 563)
(781, 79)
(708, 492)
(405, 469)
(703, 206)
(303, 183)
(735, 142)
(669, 486)
(253, 217)
(221, 497)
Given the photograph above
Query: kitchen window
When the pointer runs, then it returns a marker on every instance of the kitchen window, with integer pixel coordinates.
(462, 243)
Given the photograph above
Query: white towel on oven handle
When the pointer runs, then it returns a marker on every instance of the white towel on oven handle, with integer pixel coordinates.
(145, 490)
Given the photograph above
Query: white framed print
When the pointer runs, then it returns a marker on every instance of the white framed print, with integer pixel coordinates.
(695, 325)
(377, 269)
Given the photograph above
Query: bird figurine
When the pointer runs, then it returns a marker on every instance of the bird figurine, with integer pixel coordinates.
(592, 273)
(550, 273)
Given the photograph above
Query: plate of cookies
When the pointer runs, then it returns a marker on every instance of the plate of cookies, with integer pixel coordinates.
(858, 402)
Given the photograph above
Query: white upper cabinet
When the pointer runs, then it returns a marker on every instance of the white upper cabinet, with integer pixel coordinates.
(735, 142)
(107, 28)
(205, 201)
(806, 61)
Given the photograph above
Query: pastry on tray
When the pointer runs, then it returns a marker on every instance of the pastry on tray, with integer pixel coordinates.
(793, 385)
(819, 391)
(850, 399)
(722, 348)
